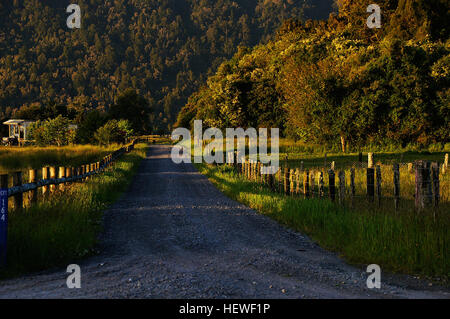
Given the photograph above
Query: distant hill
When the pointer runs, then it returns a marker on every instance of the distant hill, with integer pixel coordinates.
(163, 48)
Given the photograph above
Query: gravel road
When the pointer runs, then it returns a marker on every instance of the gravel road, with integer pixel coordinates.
(174, 235)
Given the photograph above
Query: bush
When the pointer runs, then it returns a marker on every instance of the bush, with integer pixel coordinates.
(114, 132)
(52, 132)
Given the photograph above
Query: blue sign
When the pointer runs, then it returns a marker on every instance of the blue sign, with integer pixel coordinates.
(3, 225)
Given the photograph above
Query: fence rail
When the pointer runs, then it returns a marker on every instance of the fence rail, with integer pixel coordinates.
(49, 178)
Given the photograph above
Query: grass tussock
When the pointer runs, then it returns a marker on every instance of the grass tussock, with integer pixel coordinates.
(64, 227)
(404, 242)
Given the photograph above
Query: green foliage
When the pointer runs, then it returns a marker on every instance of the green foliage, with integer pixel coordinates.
(163, 48)
(133, 108)
(52, 132)
(114, 132)
(330, 83)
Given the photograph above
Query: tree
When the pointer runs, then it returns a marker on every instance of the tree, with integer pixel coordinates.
(134, 108)
(52, 132)
(114, 132)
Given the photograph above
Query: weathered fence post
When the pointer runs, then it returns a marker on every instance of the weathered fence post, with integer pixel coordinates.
(270, 181)
(260, 175)
(332, 184)
(371, 184)
(52, 176)
(396, 169)
(68, 173)
(297, 181)
(45, 175)
(321, 184)
(87, 169)
(370, 160)
(32, 195)
(306, 184)
(286, 180)
(18, 198)
(410, 167)
(280, 180)
(333, 165)
(292, 182)
(446, 161)
(61, 174)
(435, 179)
(379, 184)
(352, 184)
(313, 184)
(3, 218)
(341, 186)
(423, 185)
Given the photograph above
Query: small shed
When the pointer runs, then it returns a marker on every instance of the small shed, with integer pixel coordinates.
(19, 129)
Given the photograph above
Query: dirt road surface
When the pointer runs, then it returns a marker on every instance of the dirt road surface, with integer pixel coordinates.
(174, 235)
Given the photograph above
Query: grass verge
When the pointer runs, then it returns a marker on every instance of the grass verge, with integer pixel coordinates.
(407, 242)
(64, 228)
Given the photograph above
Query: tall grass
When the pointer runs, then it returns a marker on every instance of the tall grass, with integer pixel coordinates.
(14, 158)
(403, 242)
(64, 227)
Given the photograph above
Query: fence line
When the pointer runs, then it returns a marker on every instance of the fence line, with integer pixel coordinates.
(310, 183)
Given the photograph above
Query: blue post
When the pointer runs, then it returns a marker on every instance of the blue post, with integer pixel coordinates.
(3, 225)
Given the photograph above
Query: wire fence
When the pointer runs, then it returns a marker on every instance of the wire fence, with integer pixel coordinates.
(424, 183)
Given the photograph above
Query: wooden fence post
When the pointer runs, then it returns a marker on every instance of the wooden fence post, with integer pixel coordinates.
(32, 195)
(280, 180)
(286, 179)
(292, 182)
(371, 184)
(370, 160)
(297, 181)
(333, 165)
(306, 184)
(379, 184)
(62, 174)
(435, 179)
(396, 169)
(321, 184)
(18, 198)
(423, 185)
(332, 184)
(446, 161)
(410, 167)
(260, 176)
(68, 173)
(270, 181)
(45, 176)
(341, 186)
(352, 184)
(312, 179)
(52, 176)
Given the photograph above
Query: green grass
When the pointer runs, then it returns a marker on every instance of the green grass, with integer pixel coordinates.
(64, 227)
(400, 242)
(16, 159)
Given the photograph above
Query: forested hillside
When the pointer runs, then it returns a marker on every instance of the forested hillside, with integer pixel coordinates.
(337, 82)
(162, 48)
